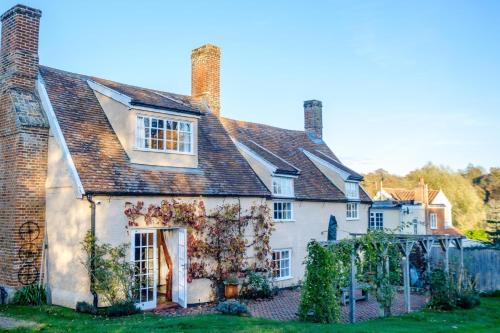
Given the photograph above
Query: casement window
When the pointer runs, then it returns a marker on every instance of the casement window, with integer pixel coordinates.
(352, 190)
(165, 135)
(433, 218)
(283, 187)
(283, 210)
(376, 221)
(281, 264)
(352, 211)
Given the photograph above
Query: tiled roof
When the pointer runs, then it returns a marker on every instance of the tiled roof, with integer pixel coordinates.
(152, 98)
(281, 165)
(103, 165)
(312, 184)
(353, 175)
(402, 194)
(432, 194)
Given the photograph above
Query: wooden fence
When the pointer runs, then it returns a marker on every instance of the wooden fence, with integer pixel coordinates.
(483, 263)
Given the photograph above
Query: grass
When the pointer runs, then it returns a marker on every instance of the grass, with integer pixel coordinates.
(485, 318)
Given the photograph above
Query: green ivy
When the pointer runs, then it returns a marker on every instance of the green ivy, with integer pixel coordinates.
(319, 298)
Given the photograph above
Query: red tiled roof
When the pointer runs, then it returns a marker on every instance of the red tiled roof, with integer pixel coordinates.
(104, 166)
(312, 184)
(402, 194)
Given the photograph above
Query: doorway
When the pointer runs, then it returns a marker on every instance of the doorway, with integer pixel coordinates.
(159, 257)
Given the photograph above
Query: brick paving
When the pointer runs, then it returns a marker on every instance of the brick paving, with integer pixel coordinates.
(285, 306)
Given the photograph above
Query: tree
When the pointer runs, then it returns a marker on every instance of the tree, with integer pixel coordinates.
(371, 182)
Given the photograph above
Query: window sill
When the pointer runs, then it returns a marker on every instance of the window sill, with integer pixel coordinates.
(167, 152)
(352, 218)
(283, 221)
(283, 278)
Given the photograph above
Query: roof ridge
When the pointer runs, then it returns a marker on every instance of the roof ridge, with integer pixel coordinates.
(93, 77)
(261, 124)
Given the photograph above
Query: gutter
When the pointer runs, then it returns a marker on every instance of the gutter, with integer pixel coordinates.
(92, 250)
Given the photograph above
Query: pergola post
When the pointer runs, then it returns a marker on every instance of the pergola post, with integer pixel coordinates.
(352, 287)
(445, 245)
(406, 248)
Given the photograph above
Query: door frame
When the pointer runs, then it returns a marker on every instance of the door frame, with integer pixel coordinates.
(180, 264)
(150, 304)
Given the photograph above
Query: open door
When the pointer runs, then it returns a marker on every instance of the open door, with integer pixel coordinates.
(144, 258)
(182, 268)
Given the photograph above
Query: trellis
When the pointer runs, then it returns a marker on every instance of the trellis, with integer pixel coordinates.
(406, 243)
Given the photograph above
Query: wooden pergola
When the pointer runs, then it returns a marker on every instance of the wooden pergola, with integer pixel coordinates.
(406, 243)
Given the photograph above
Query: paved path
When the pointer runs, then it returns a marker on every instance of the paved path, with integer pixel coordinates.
(285, 305)
(9, 323)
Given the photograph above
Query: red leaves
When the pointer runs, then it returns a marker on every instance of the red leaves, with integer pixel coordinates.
(217, 238)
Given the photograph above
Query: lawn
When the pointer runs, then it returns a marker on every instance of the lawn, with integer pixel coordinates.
(485, 318)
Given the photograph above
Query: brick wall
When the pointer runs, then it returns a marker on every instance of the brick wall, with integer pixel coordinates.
(205, 75)
(23, 149)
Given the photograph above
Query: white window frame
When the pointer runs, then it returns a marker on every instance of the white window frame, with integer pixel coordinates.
(140, 134)
(433, 220)
(278, 202)
(350, 217)
(281, 251)
(376, 221)
(282, 187)
(352, 190)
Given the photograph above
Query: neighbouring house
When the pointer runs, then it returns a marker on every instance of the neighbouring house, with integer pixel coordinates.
(412, 211)
(75, 149)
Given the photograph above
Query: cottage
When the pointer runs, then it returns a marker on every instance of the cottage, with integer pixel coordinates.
(420, 211)
(74, 149)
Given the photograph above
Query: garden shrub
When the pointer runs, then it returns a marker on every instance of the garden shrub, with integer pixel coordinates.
(468, 300)
(319, 301)
(122, 308)
(232, 307)
(256, 286)
(84, 307)
(32, 294)
(443, 294)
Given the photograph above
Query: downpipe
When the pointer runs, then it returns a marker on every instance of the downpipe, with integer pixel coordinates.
(92, 249)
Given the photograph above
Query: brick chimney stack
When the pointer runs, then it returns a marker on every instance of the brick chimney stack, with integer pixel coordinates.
(205, 75)
(313, 118)
(24, 134)
(19, 48)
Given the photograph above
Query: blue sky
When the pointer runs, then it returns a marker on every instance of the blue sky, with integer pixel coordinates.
(402, 82)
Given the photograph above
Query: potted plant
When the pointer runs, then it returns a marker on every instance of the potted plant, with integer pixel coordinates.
(231, 287)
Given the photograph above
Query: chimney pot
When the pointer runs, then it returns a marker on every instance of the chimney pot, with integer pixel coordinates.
(313, 118)
(205, 75)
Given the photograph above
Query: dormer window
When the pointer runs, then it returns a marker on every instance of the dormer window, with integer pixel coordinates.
(352, 190)
(283, 187)
(164, 135)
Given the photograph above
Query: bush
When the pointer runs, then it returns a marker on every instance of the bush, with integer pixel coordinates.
(494, 293)
(443, 294)
(32, 294)
(232, 308)
(468, 300)
(319, 301)
(257, 286)
(123, 308)
(84, 307)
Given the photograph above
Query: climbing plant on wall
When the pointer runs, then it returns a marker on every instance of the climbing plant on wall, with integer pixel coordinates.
(218, 240)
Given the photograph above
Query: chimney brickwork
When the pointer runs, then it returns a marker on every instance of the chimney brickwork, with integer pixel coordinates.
(313, 118)
(24, 133)
(205, 75)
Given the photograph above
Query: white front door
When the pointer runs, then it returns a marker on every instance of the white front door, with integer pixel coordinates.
(182, 268)
(145, 259)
